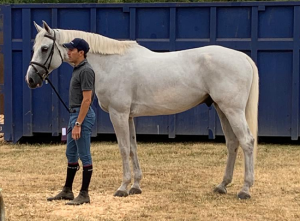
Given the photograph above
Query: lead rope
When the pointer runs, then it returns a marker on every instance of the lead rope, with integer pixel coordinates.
(47, 79)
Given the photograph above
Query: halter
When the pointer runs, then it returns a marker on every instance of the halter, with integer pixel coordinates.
(46, 74)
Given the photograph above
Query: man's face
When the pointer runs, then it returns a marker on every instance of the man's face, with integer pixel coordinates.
(75, 56)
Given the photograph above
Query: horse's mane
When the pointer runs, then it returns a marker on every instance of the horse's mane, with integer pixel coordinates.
(98, 43)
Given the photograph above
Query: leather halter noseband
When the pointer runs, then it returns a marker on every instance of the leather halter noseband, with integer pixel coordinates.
(46, 74)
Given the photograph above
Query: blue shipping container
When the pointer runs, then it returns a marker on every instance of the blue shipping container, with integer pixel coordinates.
(267, 31)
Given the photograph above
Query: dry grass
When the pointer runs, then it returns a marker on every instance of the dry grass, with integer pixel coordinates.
(177, 185)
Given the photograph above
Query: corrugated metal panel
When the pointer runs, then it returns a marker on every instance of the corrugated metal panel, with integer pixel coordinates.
(267, 31)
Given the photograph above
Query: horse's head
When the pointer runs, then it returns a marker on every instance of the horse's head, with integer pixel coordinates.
(47, 56)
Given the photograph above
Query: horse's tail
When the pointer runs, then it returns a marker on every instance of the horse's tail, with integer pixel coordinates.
(252, 105)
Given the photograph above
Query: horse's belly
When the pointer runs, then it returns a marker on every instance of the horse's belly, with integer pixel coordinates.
(169, 106)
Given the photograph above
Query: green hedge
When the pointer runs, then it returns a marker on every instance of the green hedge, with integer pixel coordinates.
(117, 1)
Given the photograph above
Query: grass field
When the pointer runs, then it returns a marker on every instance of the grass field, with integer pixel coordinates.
(178, 183)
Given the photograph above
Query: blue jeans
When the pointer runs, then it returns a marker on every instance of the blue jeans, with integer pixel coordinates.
(80, 148)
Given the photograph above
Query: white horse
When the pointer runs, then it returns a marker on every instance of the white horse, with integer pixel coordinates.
(133, 81)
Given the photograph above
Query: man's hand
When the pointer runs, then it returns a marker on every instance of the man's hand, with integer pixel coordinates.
(76, 132)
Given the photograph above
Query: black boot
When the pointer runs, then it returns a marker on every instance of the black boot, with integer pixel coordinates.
(65, 194)
(82, 198)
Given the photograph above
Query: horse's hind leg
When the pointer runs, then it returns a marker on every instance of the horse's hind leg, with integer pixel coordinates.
(237, 120)
(121, 126)
(232, 144)
(135, 188)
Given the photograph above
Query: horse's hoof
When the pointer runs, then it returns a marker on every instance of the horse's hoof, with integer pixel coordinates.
(120, 193)
(220, 189)
(134, 191)
(244, 195)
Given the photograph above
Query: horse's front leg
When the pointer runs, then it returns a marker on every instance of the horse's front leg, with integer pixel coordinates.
(121, 127)
(135, 188)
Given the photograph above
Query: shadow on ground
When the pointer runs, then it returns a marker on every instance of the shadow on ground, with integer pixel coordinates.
(48, 139)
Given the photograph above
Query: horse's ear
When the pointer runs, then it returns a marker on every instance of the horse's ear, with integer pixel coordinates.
(38, 28)
(46, 27)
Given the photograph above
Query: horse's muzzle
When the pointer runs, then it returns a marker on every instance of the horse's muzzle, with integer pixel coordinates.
(34, 83)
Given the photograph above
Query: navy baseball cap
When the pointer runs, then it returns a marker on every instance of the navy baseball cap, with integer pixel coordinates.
(78, 43)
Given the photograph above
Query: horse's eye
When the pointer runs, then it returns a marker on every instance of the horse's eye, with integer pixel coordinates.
(44, 49)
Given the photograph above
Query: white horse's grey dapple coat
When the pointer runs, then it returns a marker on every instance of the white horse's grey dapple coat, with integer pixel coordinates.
(133, 81)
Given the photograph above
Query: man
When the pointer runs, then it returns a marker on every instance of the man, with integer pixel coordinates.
(82, 119)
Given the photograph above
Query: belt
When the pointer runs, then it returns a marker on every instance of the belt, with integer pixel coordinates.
(73, 109)
(75, 106)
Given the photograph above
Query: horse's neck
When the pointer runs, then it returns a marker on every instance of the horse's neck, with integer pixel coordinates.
(99, 64)
(98, 43)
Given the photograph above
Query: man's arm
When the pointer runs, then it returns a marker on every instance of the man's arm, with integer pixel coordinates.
(85, 105)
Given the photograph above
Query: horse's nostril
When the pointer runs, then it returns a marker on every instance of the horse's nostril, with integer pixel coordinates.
(31, 81)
